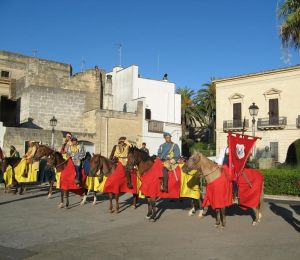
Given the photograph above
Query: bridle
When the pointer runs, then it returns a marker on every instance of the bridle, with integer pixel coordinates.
(207, 174)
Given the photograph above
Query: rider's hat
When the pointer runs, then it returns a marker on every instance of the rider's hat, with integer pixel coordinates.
(167, 134)
(122, 138)
(74, 138)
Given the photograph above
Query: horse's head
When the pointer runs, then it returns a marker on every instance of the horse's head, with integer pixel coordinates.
(194, 162)
(4, 165)
(100, 165)
(51, 160)
(131, 157)
(42, 151)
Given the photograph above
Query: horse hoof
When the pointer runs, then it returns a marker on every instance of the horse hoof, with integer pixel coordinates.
(111, 211)
(49, 196)
(217, 225)
(254, 223)
(94, 203)
(133, 206)
(191, 213)
(60, 205)
(152, 219)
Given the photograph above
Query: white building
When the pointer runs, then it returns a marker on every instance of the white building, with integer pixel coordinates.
(162, 106)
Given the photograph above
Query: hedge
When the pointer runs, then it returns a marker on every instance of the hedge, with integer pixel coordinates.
(282, 181)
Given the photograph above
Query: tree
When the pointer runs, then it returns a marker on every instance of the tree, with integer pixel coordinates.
(188, 109)
(289, 12)
(206, 103)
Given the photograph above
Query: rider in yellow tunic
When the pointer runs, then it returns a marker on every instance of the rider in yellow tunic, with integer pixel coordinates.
(29, 157)
(120, 151)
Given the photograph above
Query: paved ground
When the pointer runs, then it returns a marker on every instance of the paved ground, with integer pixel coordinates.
(33, 227)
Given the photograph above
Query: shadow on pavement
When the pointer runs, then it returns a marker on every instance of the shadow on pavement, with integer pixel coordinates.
(286, 214)
(24, 197)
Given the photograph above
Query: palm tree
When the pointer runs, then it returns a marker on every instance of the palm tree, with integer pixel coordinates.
(188, 109)
(289, 12)
(206, 103)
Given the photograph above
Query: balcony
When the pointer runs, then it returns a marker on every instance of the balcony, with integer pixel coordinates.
(155, 126)
(298, 122)
(234, 125)
(271, 123)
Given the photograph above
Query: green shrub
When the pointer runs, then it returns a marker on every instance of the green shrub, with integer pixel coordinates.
(282, 181)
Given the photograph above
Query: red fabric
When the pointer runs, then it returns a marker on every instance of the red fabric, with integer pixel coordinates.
(246, 143)
(117, 182)
(219, 192)
(68, 177)
(249, 197)
(151, 182)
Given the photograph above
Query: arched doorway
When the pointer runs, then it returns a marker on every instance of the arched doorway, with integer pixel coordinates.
(293, 154)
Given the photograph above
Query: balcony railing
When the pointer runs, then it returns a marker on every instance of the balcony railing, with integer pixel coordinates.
(155, 126)
(298, 122)
(234, 125)
(271, 123)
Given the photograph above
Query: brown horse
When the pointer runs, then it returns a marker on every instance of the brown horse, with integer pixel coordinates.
(56, 160)
(144, 162)
(101, 166)
(211, 172)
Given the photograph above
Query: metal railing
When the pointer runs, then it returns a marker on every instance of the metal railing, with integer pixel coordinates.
(234, 124)
(272, 122)
(155, 126)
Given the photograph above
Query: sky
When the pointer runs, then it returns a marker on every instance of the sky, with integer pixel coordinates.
(190, 40)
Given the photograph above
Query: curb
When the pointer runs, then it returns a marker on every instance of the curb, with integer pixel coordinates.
(282, 197)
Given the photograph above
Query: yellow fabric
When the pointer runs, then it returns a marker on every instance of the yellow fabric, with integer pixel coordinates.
(19, 170)
(138, 184)
(30, 153)
(57, 177)
(92, 183)
(193, 189)
(121, 153)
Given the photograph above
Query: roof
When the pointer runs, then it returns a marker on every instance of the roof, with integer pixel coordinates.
(261, 73)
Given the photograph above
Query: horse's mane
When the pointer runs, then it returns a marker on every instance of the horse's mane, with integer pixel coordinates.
(144, 155)
(58, 154)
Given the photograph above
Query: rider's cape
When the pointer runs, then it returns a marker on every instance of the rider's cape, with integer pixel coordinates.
(19, 170)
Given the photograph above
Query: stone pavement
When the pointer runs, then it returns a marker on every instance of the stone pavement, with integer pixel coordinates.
(32, 227)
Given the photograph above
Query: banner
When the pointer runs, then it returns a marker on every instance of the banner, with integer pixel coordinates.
(240, 147)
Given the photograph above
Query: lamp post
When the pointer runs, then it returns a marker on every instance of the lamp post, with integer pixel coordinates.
(53, 123)
(253, 110)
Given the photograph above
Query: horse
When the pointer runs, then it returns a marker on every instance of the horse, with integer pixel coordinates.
(112, 177)
(144, 163)
(218, 179)
(67, 169)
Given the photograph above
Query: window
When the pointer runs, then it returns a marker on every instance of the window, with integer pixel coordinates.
(4, 74)
(148, 114)
(156, 126)
(273, 111)
(237, 115)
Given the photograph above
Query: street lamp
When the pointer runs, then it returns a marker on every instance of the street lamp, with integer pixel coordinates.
(253, 110)
(53, 123)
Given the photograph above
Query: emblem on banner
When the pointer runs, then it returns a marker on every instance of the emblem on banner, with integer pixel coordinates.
(240, 151)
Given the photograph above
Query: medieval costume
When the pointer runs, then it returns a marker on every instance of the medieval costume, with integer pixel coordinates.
(66, 144)
(29, 157)
(120, 151)
(77, 153)
(169, 153)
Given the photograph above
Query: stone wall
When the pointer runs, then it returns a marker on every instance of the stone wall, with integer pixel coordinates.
(42, 103)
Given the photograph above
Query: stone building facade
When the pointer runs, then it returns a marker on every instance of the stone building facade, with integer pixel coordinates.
(276, 93)
(33, 90)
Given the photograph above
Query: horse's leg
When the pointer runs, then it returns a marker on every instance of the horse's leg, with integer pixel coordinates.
(153, 215)
(258, 209)
(223, 216)
(110, 195)
(149, 209)
(135, 200)
(16, 188)
(67, 199)
(117, 203)
(218, 220)
(50, 189)
(86, 193)
(21, 189)
(192, 211)
(95, 198)
(61, 204)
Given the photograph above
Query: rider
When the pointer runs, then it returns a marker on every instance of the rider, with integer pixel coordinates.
(144, 148)
(14, 152)
(120, 151)
(66, 143)
(77, 153)
(169, 153)
(29, 157)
